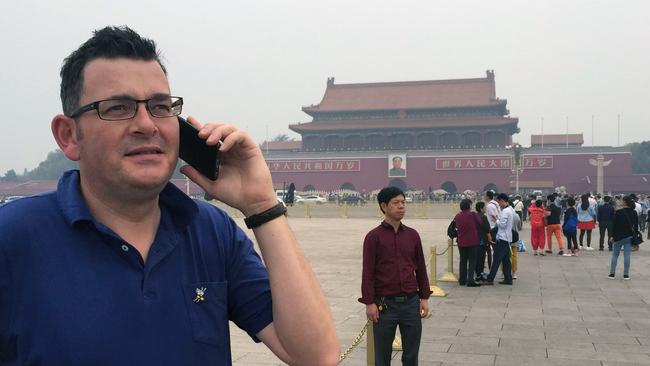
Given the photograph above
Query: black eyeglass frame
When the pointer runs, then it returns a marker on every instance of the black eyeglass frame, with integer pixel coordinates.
(95, 106)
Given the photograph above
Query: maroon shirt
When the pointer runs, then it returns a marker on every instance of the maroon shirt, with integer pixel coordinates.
(468, 224)
(393, 264)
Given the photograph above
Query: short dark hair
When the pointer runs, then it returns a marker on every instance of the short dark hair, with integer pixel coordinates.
(538, 203)
(387, 194)
(571, 201)
(465, 204)
(110, 42)
(397, 157)
(503, 197)
(629, 202)
(551, 197)
(607, 198)
(489, 194)
(479, 206)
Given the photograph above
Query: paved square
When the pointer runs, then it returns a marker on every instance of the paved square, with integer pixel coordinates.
(560, 311)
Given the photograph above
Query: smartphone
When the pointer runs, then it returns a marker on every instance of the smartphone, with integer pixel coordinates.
(194, 151)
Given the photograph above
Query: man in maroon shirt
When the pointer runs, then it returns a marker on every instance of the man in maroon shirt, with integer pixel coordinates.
(469, 225)
(394, 283)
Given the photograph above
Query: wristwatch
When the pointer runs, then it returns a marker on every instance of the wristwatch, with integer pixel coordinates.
(274, 212)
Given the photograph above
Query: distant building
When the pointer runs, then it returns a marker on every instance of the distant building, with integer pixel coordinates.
(412, 115)
(548, 141)
(455, 135)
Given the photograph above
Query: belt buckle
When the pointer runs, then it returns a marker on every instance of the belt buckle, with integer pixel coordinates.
(401, 298)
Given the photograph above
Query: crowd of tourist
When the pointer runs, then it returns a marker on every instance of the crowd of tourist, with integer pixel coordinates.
(490, 233)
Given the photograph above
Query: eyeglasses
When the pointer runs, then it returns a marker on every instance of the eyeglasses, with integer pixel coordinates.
(119, 109)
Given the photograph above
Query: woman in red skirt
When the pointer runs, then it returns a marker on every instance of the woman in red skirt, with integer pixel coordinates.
(586, 220)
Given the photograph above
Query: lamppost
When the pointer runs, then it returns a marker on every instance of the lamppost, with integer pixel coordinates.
(516, 163)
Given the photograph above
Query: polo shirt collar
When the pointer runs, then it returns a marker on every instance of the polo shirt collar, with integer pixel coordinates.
(389, 226)
(181, 208)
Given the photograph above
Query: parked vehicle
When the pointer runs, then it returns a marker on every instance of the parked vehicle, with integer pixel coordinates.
(313, 199)
(352, 200)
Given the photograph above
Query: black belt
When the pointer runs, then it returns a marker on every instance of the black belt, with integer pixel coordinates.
(401, 297)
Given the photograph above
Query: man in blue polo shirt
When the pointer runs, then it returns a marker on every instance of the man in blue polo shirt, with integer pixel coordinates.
(119, 267)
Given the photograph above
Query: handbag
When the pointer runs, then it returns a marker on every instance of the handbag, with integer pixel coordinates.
(637, 237)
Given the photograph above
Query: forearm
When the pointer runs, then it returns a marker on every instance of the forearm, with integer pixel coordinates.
(301, 315)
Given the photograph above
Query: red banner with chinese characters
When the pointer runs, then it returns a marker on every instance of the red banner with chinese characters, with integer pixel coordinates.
(314, 165)
(493, 162)
(537, 162)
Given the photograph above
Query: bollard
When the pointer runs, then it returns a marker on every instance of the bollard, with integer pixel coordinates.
(308, 211)
(344, 211)
(370, 345)
(449, 276)
(435, 290)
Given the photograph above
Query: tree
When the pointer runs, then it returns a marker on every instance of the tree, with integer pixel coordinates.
(640, 156)
(282, 137)
(10, 176)
(52, 167)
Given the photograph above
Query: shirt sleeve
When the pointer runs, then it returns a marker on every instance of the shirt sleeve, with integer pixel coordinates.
(368, 269)
(421, 274)
(249, 291)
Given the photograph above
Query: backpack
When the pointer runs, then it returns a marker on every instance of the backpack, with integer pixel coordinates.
(452, 230)
(537, 218)
(570, 223)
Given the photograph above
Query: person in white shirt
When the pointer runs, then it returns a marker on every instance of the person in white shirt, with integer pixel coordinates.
(492, 212)
(519, 207)
(503, 239)
(645, 206)
(492, 209)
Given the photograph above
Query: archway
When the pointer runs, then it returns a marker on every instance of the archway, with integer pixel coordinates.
(449, 187)
(398, 183)
(491, 187)
(348, 185)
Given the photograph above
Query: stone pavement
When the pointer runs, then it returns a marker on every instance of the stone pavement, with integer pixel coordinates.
(561, 310)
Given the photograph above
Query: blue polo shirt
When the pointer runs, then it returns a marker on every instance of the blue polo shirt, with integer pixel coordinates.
(72, 292)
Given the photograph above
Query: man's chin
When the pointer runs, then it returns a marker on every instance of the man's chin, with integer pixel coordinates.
(150, 180)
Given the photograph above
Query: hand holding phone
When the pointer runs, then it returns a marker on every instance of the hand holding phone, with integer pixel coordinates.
(194, 151)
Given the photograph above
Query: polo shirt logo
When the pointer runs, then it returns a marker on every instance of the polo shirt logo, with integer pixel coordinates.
(200, 295)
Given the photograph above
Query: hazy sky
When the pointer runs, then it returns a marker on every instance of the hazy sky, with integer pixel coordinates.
(256, 63)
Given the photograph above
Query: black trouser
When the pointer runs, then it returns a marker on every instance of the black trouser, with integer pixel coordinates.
(642, 220)
(484, 252)
(582, 234)
(468, 256)
(571, 238)
(602, 227)
(501, 254)
(406, 314)
(521, 215)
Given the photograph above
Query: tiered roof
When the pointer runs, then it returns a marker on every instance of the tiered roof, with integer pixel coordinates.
(380, 124)
(408, 95)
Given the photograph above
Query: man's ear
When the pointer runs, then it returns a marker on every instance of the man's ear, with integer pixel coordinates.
(65, 134)
(382, 207)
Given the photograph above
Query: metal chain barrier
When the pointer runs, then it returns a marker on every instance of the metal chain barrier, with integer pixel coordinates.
(355, 343)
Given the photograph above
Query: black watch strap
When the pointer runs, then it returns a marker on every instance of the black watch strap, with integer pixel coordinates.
(274, 212)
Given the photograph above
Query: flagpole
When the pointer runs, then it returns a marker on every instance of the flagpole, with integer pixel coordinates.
(542, 132)
(567, 132)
